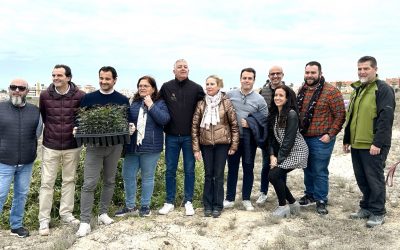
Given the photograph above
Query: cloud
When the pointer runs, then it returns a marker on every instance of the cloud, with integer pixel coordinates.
(139, 37)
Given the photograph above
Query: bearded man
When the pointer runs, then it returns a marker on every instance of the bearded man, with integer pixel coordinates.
(322, 114)
(20, 127)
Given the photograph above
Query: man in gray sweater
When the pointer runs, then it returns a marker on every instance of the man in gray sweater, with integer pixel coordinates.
(245, 102)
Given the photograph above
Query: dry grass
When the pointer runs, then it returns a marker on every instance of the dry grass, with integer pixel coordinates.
(232, 223)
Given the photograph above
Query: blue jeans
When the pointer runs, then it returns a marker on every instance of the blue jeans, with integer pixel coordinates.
(173, 146)
(147, 163)
(316, 174)
(22, 179)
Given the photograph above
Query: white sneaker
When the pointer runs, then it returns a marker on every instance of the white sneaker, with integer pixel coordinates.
(168, 207)
(247, 205)
(281, 211)
(70, 219)
(44, 228)
(189, 208)
(262, 198)
(104, 219)
(229, 204)
(84, 229)
(295, 208)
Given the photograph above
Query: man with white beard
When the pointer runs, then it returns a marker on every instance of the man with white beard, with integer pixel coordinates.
(20, 127)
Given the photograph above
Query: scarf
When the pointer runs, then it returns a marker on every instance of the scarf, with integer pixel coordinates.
(211, 114)
(141, 125)
(305, 123)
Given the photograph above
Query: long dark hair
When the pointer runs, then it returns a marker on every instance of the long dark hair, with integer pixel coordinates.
(290, 104)
(155, 96)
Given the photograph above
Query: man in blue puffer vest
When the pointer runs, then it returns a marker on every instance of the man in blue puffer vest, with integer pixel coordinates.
(20, 127)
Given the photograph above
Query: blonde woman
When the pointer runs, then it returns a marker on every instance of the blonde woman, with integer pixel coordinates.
(215, 134)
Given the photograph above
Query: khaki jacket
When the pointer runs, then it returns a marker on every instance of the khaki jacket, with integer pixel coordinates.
(225, 132)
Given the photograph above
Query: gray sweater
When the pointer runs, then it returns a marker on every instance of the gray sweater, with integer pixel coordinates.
(247, 104)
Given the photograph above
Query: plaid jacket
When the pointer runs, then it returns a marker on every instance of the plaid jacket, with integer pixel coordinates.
(329, 114)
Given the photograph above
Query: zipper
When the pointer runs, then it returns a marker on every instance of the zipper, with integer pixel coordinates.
(19, 135)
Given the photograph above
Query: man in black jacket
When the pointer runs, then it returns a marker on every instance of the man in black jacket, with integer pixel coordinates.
(368, 131)
(20, 127)
(181, 96)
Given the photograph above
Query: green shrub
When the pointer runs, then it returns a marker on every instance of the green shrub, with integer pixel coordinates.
(32, 204)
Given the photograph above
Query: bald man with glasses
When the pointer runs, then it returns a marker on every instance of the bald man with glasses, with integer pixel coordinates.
(275, 76)
(20, 127)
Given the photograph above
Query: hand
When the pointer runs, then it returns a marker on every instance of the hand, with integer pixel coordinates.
(197, 156)
(346, 148)
(132, 128)
(74, 130)
(148, 101)
(273, 161)
(373, 150)
(325, 138)
(244, 123)
(231, 152)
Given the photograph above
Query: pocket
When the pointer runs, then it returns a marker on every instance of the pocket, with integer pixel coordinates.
(324, 149)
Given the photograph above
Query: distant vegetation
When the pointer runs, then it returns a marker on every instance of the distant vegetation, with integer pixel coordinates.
(158, 199)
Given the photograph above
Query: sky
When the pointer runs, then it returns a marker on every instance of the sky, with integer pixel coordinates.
(215, 37)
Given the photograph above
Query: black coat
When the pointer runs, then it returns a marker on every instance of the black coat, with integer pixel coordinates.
(181, 98)
(283, 151)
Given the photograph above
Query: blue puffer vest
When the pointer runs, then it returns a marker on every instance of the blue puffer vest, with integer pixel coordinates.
(18, 140)
(157, 117)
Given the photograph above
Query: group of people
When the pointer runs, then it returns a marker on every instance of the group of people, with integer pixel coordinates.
(293, 131)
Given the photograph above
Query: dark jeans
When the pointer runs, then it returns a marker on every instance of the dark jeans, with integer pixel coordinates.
(277, 176)
(369, 172)
(265, 171)
(247, 152)
(214, 158)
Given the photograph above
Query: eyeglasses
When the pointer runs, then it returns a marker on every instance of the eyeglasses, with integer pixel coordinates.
(275, 74)
(15, 87)
(144, 86)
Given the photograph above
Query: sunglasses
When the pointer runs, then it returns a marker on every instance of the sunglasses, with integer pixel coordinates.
(15, 87)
